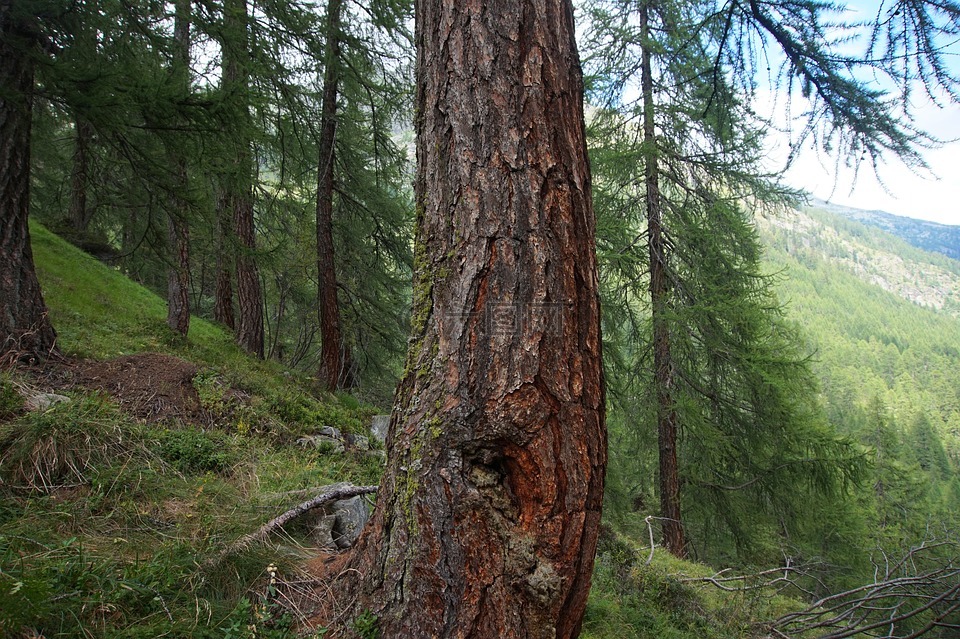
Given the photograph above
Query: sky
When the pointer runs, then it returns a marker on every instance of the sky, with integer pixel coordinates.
(931, 195)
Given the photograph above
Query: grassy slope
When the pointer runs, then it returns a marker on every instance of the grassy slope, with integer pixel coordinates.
(119, 548)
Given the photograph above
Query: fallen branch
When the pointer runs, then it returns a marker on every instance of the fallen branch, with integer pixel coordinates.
(336, 492)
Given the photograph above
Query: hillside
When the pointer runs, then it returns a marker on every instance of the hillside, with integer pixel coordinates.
(119, 498)
(166, 450)
(929, 236)
(875, 257)
(880, 314)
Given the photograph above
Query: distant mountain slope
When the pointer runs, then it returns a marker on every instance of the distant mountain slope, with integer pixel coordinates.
(872, 255)
(883, 318)
(929, 236)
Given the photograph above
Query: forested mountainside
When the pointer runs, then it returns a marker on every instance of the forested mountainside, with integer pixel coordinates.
(881, 320)
(814, 235)
(929, 236)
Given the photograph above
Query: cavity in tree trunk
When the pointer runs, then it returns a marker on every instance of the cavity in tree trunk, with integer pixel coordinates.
(178, 230)
(672, 527)
(488, 513)
(25, 330)
(333, 356)
(239, 186)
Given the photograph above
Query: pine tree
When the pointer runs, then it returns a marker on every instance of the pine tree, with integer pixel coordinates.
(334, 356)
(674, 167)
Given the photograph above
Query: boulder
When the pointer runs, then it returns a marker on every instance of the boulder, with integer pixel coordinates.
(351, 515)
(322, 442)
(358, 441)
(379, 427)
(43, 401)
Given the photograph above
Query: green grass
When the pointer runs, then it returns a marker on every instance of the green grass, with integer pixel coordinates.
(663, 599)
(107, 524)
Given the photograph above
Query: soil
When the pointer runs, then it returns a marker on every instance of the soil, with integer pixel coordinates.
(150, 386)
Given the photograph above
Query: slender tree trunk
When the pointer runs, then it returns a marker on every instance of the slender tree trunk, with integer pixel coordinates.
(80, 174)
(223, 287)
(239, 194)
(25, 329)
(79, 214)
(178, 229)
(673, 537)
(488, 512)
(332, 346)
(249, 329)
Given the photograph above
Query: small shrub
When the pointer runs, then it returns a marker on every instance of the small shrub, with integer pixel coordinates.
(196, 451)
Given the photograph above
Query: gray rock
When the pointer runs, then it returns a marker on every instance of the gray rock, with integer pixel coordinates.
(43, 401)
(379, 427)
(322, 532)
(322, 442)
(330, 431)
(358, 441)
(351, 515)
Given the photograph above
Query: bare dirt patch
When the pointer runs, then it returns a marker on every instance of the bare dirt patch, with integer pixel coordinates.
(150, 386)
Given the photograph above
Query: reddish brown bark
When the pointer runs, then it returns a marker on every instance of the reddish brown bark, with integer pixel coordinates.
(223, 288)
(178, 275)
(178, 230)
(673, 537)
(239, 185)
(332, 347)
(25, 329)
(488, 513)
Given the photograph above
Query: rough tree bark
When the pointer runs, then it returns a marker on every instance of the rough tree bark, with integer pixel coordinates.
(85, 42)
(25, 329)
(80, 174)
(332, 346)
(223, 287)
(488, 512)
(673, 537)
(239, 191)
(178, 229)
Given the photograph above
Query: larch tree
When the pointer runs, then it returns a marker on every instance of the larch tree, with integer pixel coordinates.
(238, 197)
(25, 329)
(178, 229)
(688, 133)
(489, 509)
(333, 357)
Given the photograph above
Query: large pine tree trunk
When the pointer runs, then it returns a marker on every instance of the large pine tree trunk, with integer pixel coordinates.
(25, 330)
(673, 537)
(178, 229)
(239, 191)
(332, 353)
(488, 513)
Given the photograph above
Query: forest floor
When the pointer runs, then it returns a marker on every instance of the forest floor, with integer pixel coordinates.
(149, 386)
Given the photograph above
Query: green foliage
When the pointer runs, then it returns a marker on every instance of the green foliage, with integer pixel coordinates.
(367, 625)
(636, 596)
(196, 451)
(11, 402)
